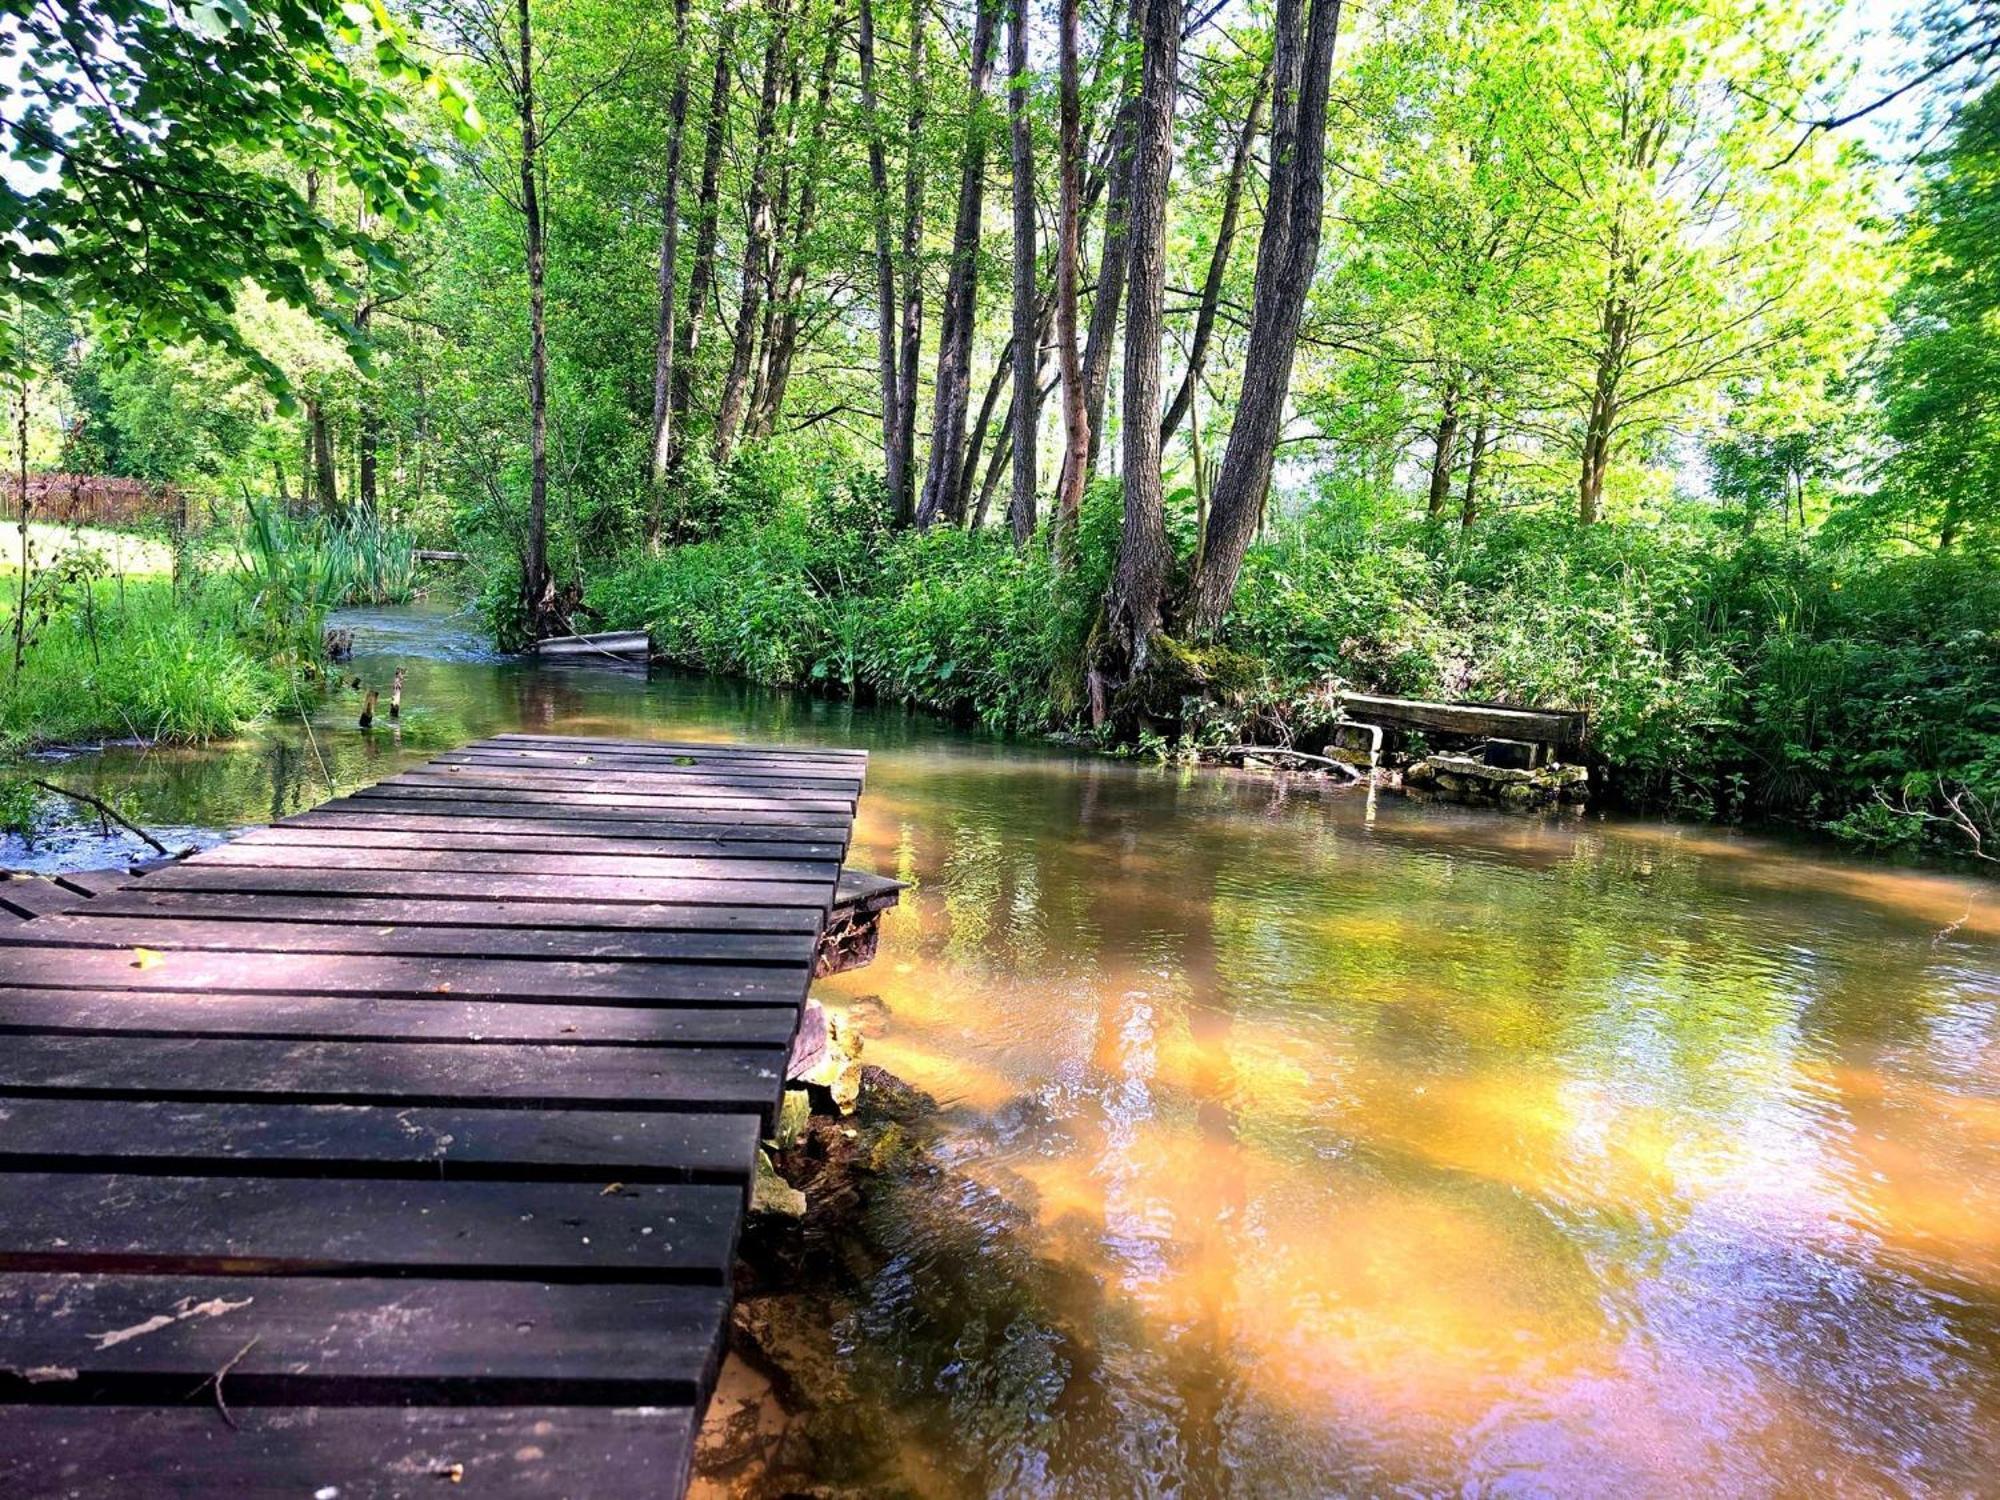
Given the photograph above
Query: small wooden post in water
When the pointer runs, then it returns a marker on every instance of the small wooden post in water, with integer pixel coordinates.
(368, 710)
(396, 695)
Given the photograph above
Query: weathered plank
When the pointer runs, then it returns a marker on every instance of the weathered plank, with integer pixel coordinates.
(293, 1226)
(372, 974)
(540, 787)
(496, 914)
(1558, 727)
(544, 822)
(528, 1076)
(392, 835)
(346, 1140)
(166, 932)
(202, 876)
(27, 897)
(836, 754)
(614, 760)
(318, 1339)
(372, 1018)
(429, 799)
(486, 862)
(356, 1453)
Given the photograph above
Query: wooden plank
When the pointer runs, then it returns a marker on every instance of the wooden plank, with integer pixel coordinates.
(177, 934)
(682, 747)
(200, 876)
(673, 781)
(89, 883)
(356, 1453)
(31, 896)
(345, 1140)
(1547, 726)
(734, 767)
(391, 835)
(668, 795)
(243, 973)
(544, 822)
(701, 1079)
(609, 804)
(319, 1339)
(292, 1226)
(487, 862)
(495, 914)
(370, 1018)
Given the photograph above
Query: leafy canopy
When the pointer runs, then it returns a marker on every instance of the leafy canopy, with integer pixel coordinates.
(157, 157)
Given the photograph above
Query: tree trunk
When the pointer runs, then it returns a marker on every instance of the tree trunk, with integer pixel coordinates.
(895, 460)
(1468, 510)
(1027, 362)
(756, 247)
(942, 496)
(319, 459)
(904, 499)
(782, 345)
(1003, 369)
(1444, 455)
(1069, 235)
(1108, 297)
(783, 232)
(1132, 607)
(660, 463)
(537, 587)
(701, 266)
(1287, 253)
(1218, 262)
(1597, 433)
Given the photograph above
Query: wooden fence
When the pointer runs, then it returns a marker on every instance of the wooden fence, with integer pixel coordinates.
(93, 500)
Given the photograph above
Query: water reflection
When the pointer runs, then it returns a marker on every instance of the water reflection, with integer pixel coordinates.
(1298, 1151)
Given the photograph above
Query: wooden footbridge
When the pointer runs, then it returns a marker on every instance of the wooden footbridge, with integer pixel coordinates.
(405, 1143)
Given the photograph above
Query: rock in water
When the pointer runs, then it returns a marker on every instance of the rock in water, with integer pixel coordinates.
(772, 1194)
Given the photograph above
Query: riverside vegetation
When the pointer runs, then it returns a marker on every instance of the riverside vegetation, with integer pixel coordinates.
(1140, 370)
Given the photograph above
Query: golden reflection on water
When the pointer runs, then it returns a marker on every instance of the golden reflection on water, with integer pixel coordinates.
(1427, 1152)
(1455, 1151)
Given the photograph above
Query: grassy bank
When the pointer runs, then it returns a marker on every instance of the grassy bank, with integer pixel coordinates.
(140, 660)
(1726, 675)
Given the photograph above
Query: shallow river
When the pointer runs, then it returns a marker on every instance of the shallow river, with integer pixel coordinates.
(1318, 1145)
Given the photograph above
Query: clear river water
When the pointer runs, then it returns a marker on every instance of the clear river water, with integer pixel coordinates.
(1310, 1143)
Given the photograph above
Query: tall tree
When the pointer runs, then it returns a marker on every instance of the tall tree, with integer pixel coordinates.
(1026, 412)
(1107, 300)
(911, 259)
(943, 497)
(895, 457)
(757, 245)
(1209, 305)
(669, 271)
(1133, 603)
(1069, 238)
(707, 222)
(1287, 255)
(782, 340)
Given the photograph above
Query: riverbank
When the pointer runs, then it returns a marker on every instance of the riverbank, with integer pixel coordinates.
(1727, 675)
(136, 658)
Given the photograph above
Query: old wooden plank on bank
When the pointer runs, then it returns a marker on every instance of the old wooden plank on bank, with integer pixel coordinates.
(425, 1120)
(363, 1452)
(349, 1140)
(497, 915)
(272, 1016)
(394, 833)
(161, 931)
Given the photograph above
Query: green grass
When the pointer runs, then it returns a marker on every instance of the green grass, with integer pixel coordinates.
(160, 667)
